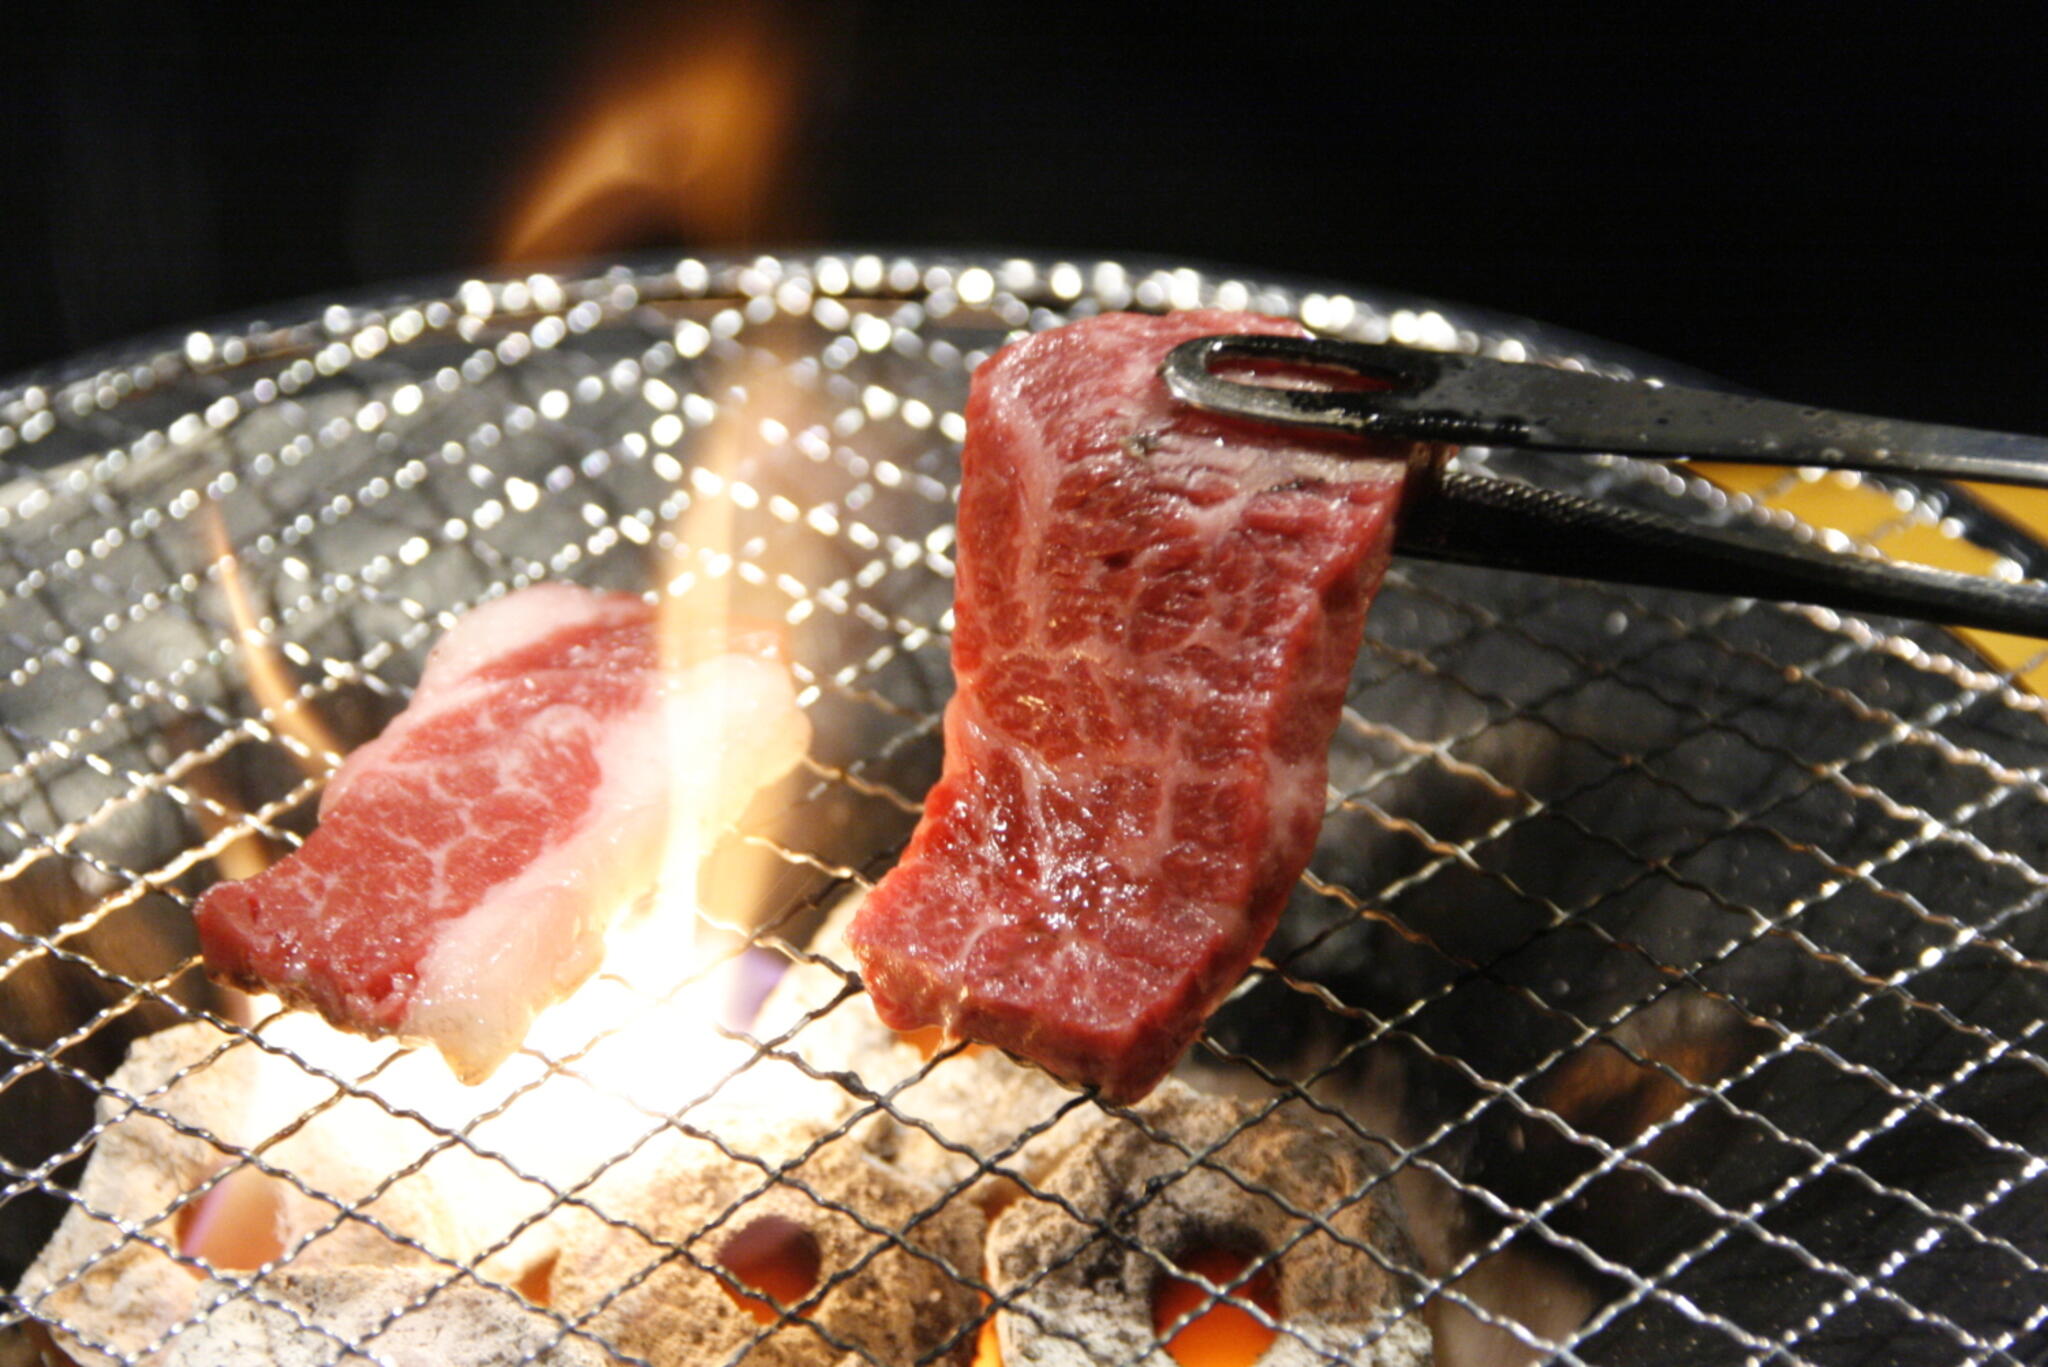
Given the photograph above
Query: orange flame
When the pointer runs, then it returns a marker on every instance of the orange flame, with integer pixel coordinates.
(679, 136)
(219, 808)
(270, 678)
(715, 543)
(272, 683)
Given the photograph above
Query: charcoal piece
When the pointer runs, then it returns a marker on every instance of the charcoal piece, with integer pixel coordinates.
(639, 1259)
(119, 1292)
(405, 1316)
(1083, 1289)
(963, 1118)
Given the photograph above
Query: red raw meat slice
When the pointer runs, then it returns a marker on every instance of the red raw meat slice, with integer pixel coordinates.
(1155, 618)
(469, 860)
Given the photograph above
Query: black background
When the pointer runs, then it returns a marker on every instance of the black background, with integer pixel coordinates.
(1816, 202)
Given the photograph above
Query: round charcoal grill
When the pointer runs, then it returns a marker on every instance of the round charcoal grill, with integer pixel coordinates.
(1680, 959)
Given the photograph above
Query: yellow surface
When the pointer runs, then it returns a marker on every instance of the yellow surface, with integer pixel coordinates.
(1868, 514)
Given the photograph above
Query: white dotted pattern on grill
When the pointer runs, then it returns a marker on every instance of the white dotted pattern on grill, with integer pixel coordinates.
(1684, 958)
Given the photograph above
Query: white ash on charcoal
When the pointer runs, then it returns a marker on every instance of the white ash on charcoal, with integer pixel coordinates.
(109, 1273)
(397, 1316)
(1084, 1287)
(952, 1115)
(679, 1208)
(399, 1165)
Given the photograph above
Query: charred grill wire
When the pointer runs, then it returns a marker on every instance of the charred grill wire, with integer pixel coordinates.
(1679, 963)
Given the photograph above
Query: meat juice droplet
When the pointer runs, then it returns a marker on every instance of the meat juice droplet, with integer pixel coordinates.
(928, 1040)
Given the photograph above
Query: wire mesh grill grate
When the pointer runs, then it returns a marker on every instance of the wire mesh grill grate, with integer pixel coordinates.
(1674, 967)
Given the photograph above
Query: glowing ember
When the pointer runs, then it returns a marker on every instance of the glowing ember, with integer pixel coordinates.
(238, 1225)
(1220, 1334)
(775, 1256)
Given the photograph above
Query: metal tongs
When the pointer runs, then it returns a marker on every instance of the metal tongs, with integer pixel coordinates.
(1472, 519)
